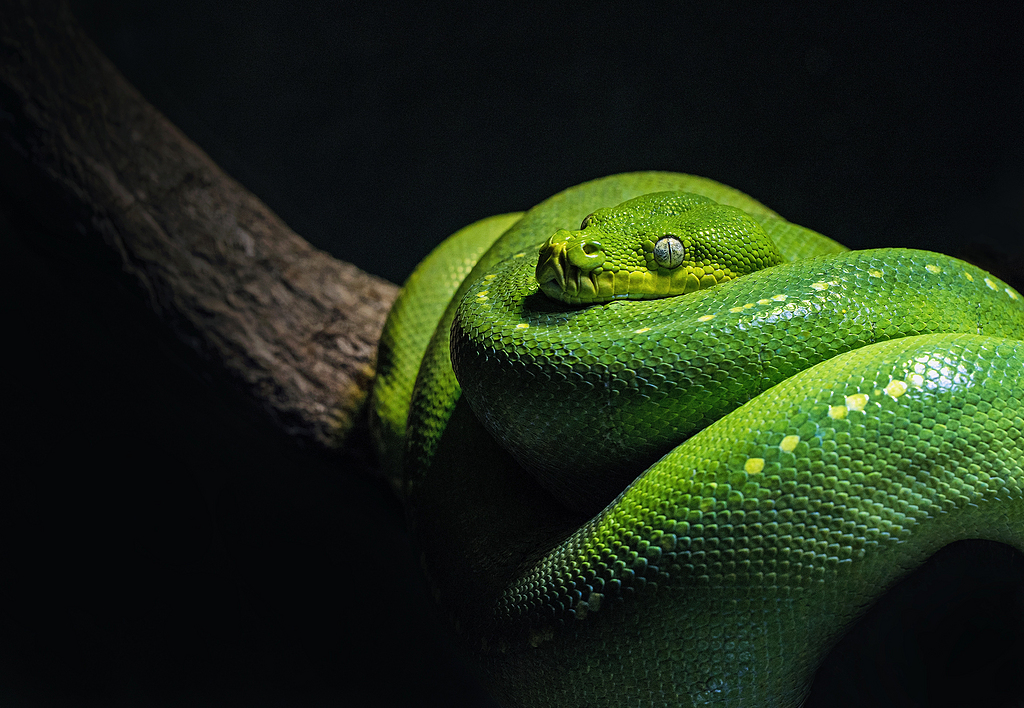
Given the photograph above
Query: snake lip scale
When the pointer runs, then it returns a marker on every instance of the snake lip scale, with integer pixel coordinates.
(685, 500)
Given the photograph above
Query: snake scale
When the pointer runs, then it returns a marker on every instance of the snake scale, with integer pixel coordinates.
(686, 500)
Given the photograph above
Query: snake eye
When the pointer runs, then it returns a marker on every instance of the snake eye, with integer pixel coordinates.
(669, 252)
(586, 221)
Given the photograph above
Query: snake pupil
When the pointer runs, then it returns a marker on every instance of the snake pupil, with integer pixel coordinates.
(669, 252)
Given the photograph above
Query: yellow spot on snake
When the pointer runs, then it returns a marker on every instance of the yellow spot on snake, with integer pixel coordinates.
(519, 255)
(896, 388)
(779, 298)
(754, 465)
(837, 412)
(482, 294)
(988, 282)
(875, 273)
(522, 325)
(735, 309)
(764, 301)
(857, 401)
(789, 442)
(641, 330)
(705, 318)
(969, 277)
(932, 268)
(1011, 293)
(819, 286)
(492, 276)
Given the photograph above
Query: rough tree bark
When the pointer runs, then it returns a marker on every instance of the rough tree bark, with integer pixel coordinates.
(294, 329)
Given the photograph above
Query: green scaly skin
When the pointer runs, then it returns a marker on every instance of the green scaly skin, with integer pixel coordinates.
(826, 424)
(420, 304)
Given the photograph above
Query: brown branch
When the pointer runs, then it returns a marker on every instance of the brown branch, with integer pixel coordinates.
(293, 328)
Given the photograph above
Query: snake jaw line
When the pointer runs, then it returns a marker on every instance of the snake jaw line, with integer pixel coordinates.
(569, 269)
(562, 280)
(655, 246)
(551, 265)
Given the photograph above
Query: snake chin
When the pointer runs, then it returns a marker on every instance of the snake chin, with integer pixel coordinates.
(569, 284)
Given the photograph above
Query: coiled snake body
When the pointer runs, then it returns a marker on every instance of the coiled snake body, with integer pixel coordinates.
(686, 500)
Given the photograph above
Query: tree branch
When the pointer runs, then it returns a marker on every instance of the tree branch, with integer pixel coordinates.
(293, 329)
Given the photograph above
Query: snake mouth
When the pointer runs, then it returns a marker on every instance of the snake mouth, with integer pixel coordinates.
(569, 270)
(572, 286)
(560, 280)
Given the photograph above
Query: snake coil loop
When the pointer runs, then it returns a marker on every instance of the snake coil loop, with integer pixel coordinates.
(686, 500)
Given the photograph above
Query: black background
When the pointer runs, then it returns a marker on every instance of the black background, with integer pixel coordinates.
(171, 549)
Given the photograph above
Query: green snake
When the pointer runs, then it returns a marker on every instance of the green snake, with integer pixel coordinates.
(660, 446)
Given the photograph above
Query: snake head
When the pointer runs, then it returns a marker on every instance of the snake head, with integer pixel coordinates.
(652, 246)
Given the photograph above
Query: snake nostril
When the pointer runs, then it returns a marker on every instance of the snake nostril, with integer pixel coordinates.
(586, 255)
